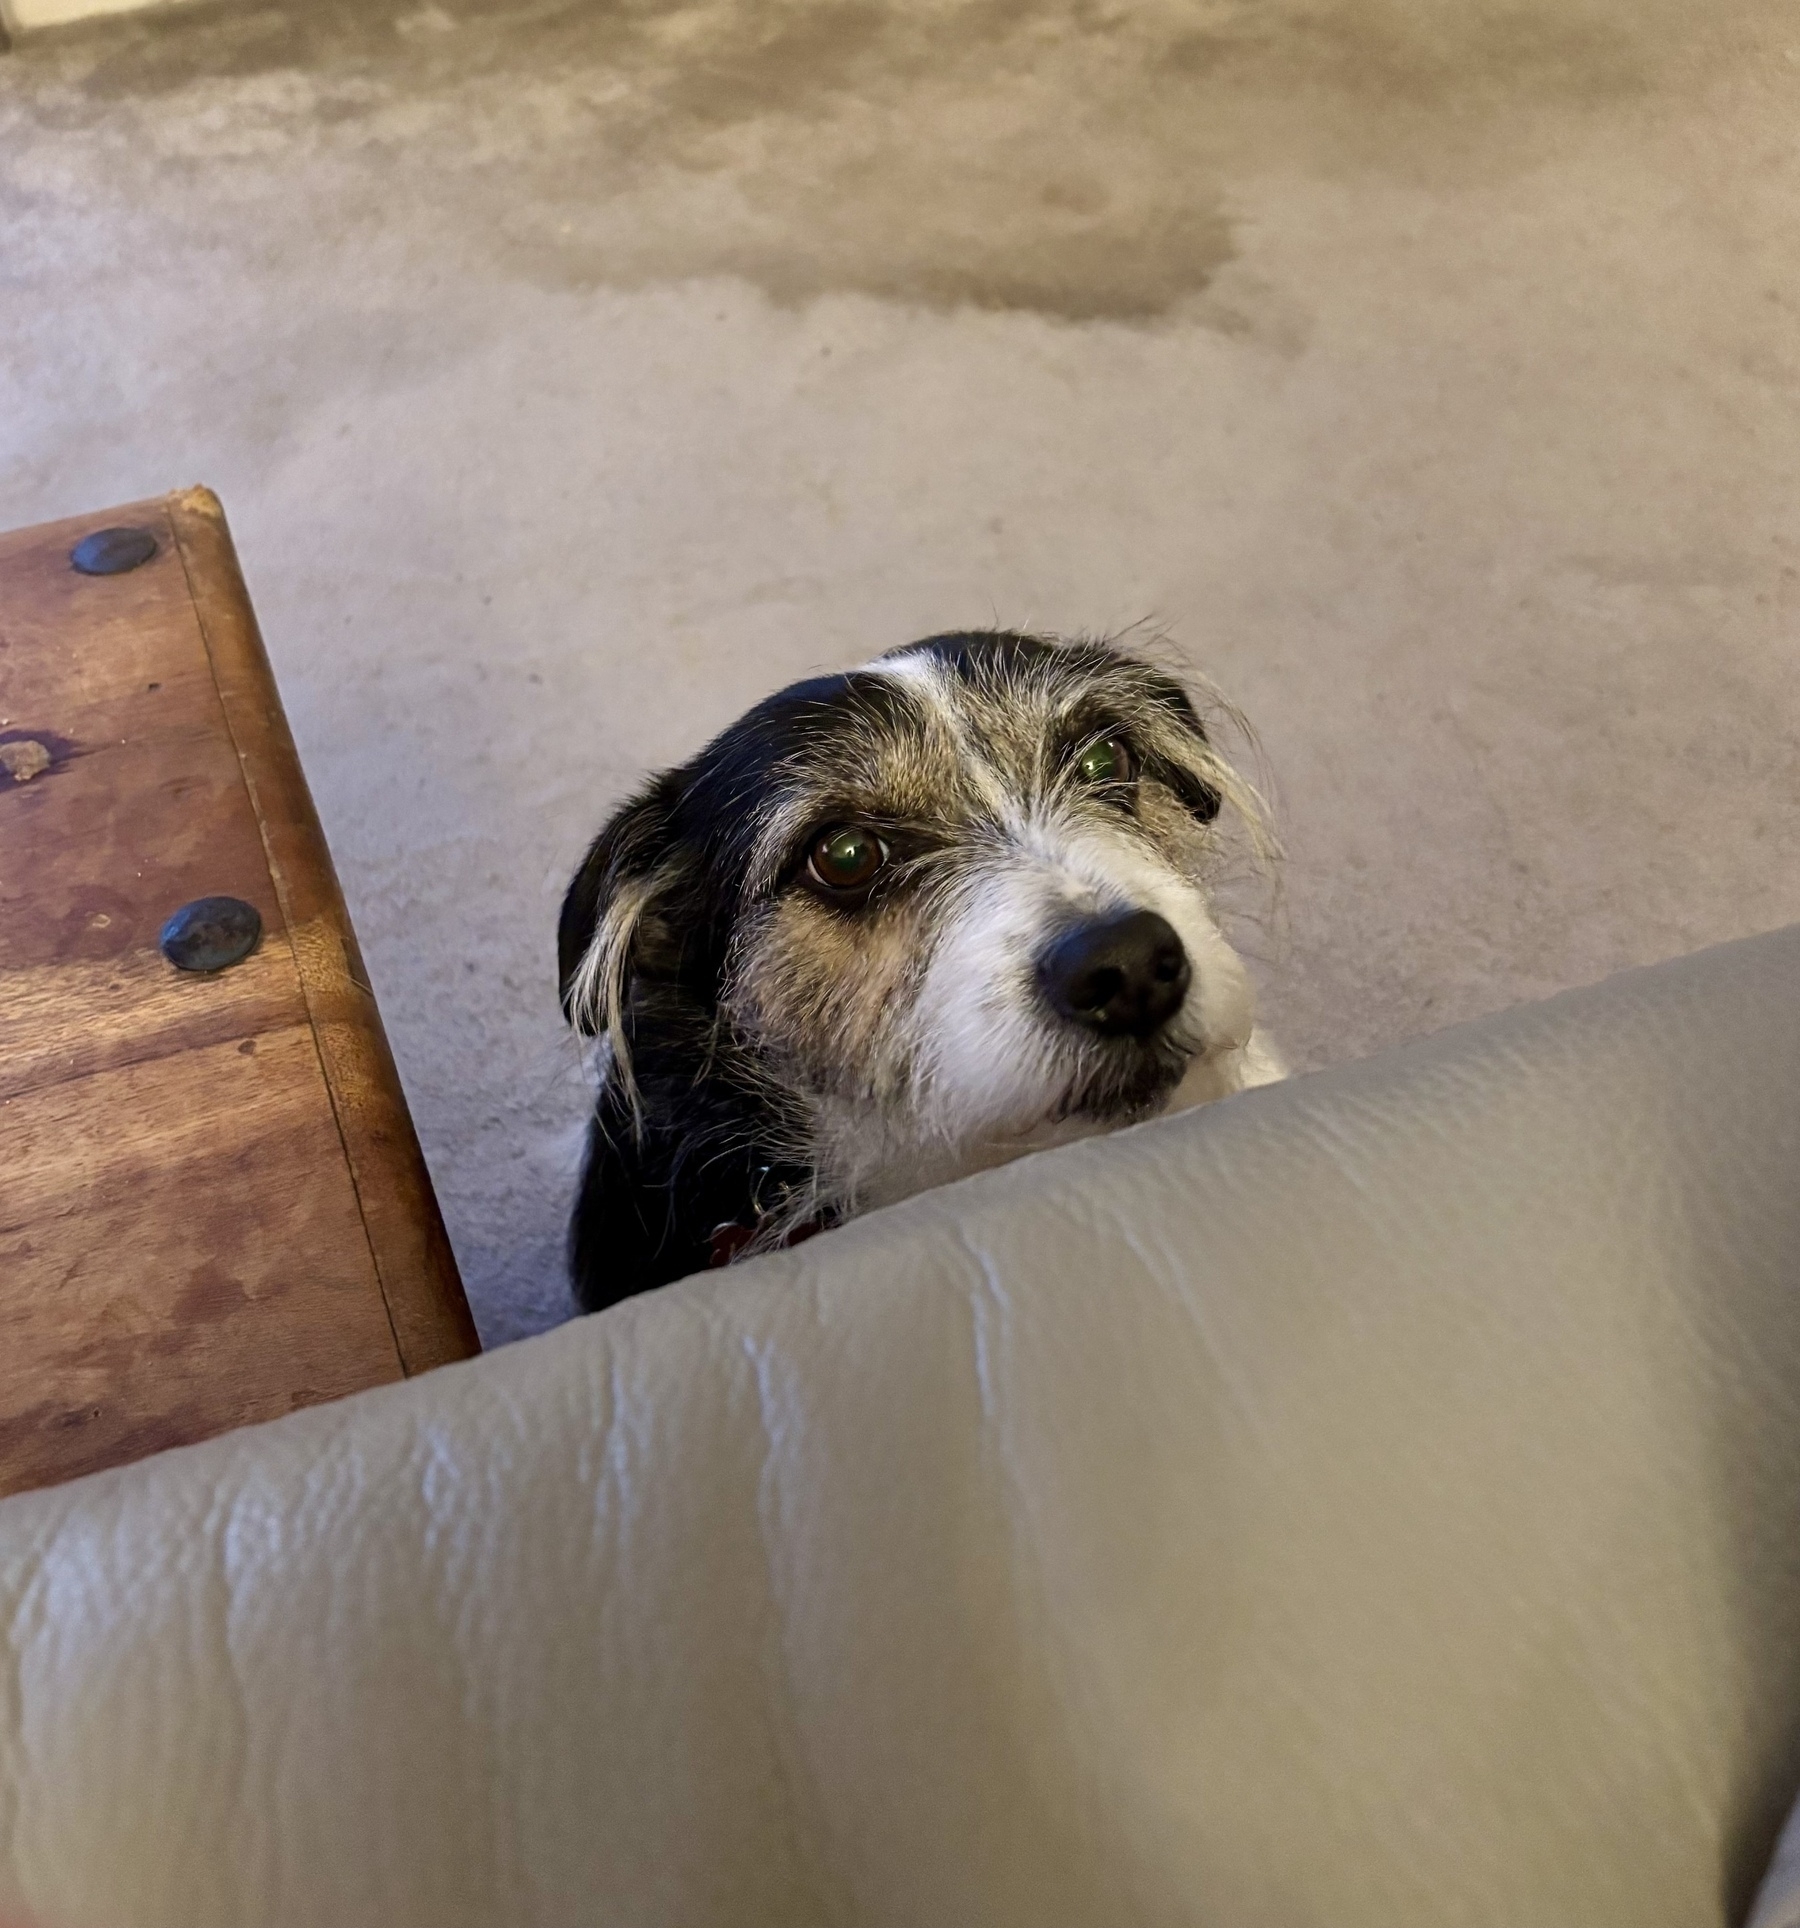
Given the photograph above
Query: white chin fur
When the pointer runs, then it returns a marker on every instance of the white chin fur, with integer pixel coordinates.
(991, 1069)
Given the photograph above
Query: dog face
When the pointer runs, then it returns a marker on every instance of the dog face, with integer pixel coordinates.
(923, 916)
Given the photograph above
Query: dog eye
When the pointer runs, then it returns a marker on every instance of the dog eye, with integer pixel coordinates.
(1105, 762)
(846, 858)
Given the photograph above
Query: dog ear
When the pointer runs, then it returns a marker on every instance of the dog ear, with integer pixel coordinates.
(1197, 774)
(1193, 769)
(1186, 758)
(598, 939)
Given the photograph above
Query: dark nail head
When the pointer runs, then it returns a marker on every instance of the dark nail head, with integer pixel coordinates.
(211, 933)
(110, 552)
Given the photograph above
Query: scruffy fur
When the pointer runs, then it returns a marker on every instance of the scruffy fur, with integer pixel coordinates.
(777, 1056)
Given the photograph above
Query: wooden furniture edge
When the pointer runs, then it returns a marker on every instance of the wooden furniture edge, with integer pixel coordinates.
(414, 1264)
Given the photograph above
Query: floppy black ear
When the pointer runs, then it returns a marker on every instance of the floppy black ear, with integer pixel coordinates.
(595, 938)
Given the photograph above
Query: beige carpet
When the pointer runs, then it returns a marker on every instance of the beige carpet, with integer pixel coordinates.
(573, 374)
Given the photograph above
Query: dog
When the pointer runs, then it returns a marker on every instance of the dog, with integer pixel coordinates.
(891, 927)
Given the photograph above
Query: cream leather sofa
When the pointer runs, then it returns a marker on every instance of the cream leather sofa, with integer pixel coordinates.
(1371, 1503)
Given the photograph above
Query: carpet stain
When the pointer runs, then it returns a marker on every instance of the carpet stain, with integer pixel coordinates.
(1072, 159)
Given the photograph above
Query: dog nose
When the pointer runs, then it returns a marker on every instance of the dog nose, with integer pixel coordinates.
(1121, 976)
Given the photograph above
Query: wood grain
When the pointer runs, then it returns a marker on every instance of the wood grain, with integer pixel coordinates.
(406, 1232)
(72, 1019)
(181, 1278)
(212, 1203)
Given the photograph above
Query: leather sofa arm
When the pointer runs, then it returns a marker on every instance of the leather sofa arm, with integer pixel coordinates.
(1373, 1501)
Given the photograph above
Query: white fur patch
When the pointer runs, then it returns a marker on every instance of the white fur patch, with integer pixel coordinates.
(991, 1068)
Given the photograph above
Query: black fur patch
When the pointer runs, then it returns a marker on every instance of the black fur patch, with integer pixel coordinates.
(700, 1147)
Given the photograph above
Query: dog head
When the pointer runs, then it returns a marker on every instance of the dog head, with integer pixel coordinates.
(925, 914)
